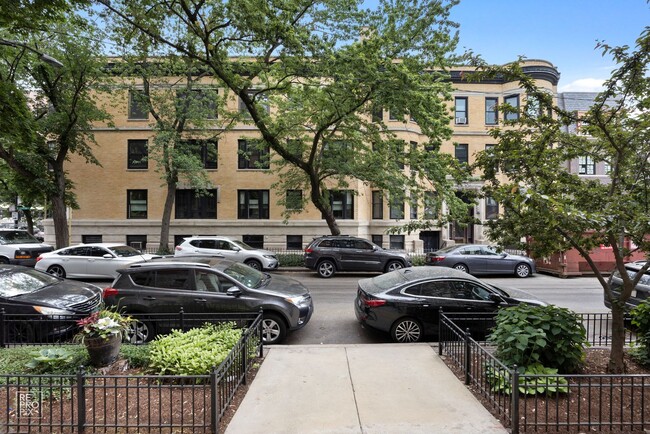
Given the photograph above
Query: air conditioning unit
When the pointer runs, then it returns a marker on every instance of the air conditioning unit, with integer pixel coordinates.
(461, 121)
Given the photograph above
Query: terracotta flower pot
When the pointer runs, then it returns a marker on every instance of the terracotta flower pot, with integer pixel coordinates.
(102, 351)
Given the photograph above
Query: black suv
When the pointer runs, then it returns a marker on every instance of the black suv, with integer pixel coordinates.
(330, 254)
(210, 286)
(640, 292)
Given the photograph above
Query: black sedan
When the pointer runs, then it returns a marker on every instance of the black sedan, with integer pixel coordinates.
(406, 302)
(212, 286)
(41, 307)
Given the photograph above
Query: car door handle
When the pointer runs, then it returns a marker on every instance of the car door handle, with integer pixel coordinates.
(149, 298)
(200, 300)
(425, 305)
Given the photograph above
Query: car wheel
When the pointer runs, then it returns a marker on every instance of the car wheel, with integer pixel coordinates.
(522, 270)
(462, 267)
(273, 329)
(140, 332)
(406, 330)
(57, 271)
(19, 332)
(254, 264)
(4, 260)
(326, 269)
(393, 265)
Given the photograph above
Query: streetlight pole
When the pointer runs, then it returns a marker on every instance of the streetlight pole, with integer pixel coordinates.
(44, 57)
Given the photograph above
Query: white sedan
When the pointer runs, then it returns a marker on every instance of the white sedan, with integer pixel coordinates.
(99, 260)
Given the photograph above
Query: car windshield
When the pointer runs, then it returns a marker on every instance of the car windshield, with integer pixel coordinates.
(17, 237)
(242, 245)
(645, 279)
(387, 281)
(124, 251)
(447, 249)
(245, 275)
(18, 283)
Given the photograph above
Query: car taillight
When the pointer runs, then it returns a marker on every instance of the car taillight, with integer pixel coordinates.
(179, 248)
(375, 303)
(435, 258)
(39, 258)
(308, 250)
(109, 292)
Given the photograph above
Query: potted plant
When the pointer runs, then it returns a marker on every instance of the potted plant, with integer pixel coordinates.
(102, 334)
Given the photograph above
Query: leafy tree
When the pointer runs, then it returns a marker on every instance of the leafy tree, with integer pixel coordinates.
(311, 87)
(48, 113)
(558, 210)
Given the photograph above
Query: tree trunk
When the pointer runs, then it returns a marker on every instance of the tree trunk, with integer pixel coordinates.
(616, 365)
(322, 205)
(62, 235)
(163, 246)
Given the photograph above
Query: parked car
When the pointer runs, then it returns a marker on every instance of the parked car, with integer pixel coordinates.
(330, 254)
(406, 303)
(480, 259)
(19, 247)
(83, 261)
(47, 299)
(640, 292)
(234, 250)
(209, 286)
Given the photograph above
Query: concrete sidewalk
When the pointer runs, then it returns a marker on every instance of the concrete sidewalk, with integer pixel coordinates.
(378, 388)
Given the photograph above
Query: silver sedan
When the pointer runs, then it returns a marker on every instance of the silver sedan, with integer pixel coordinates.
(481, 259)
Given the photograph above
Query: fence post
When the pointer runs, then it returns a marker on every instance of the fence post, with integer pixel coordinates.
(467, 356)
(244, 356)
(214, 411)
(440, 332)
(514, 411)
(3, 327)
(181, 319)
(260, 333)
(81, 399)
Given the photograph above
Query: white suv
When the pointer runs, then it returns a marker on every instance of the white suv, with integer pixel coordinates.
(230, 249)
(20, 248)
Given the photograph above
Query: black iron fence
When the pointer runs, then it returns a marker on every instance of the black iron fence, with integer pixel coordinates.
(129, 403)
(546, 403)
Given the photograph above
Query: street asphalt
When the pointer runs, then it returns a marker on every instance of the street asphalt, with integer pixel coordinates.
(369, 389)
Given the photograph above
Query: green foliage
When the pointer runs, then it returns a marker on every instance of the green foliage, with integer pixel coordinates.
(534, 379)
(194, 352)
(527, 335)
(291, 259)
(641, 320)
(49, 359)
(137, 356)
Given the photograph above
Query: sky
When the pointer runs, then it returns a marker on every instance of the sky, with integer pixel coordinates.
(563, 32)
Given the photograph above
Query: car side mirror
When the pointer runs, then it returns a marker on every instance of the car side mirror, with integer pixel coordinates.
(495, 298)
(233, 292)
(504, 254)
(107, 256)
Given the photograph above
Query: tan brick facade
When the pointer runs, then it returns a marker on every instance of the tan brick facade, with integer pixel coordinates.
(102, 191)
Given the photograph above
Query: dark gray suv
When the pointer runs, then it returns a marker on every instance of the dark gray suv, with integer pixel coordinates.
(330, 254)
(210, 286)
(641, 291)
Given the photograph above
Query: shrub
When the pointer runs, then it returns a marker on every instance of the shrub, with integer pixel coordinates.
(542, 380)
(194, 352)
(641, 320)
(291, 259)
(526, 335)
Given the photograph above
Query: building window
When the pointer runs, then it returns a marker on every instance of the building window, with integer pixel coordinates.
(378, 239)
(377, 113)
(192, 205)
(431, 205)
(138, 107)
(137, 154)
(413, 210)
(257, 97)
(586, 166)
(294, 242)
(396, 209)
(491, 112)
(256, 241)
(138, 242)
(462, 153)
(136, 205)
(533, 107)
(253, 154)
(461, 110)
(397, 242)
(253, 204)
(293, 200)
(513, 110)
(91, 239)
(393, 116)
(607, 168)
(491, 208)
(202, 103)
(377, 205)
(206, 150)
(342, 204)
